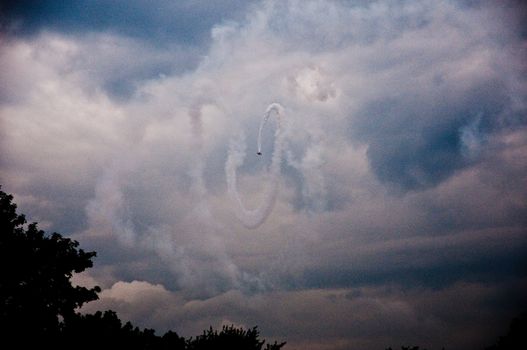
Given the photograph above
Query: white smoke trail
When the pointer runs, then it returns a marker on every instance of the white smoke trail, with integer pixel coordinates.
(255, 217)
(107, 212)
(198, 164)
(224, 273)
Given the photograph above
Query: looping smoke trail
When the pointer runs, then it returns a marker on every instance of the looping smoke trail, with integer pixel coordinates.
(272, 107)
(198, 164)
(254, 218)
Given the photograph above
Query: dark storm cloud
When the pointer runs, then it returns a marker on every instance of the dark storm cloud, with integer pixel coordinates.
(416, 141)
(428, 267)
(162, 22)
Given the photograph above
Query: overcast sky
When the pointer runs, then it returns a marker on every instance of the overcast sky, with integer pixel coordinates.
(392, 188)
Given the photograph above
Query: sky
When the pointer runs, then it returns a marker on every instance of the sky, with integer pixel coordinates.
(388, 207)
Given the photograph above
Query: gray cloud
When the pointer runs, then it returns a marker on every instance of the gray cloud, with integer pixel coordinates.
(416, 142)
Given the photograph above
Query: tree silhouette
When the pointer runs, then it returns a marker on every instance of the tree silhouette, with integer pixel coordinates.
(36, 293)
(231, 338)
(106, 330)
(38, 302)
(516, 337)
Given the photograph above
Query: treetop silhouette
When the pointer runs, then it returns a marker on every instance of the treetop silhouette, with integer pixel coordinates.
(35, 288)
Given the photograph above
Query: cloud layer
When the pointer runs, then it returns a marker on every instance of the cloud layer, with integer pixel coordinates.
(401, 188)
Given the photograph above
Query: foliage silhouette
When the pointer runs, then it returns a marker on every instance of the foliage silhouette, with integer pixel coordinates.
(231, 338)
(35, 287)
(38, 303)
(516, 337)
(93, 330)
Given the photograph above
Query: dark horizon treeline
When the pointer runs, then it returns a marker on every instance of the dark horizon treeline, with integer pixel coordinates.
(38, 303)
(105, 328)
